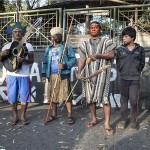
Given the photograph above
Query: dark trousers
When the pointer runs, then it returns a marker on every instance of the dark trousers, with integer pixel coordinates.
(129, 91)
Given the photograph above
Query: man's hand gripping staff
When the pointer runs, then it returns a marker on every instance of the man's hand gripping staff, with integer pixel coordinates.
(80, 77)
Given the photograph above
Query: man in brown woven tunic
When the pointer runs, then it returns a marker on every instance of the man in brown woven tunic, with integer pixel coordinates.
(95, 53)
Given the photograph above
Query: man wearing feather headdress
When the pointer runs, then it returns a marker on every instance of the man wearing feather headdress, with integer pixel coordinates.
(18, 82)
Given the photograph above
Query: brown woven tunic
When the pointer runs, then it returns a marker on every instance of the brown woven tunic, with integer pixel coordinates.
(96, 89)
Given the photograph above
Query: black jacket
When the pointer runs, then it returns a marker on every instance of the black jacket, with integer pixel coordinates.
(130, 63)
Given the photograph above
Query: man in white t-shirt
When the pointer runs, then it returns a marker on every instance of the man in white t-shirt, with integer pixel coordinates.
(18, 82)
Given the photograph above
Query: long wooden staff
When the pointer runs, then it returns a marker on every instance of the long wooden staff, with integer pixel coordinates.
(72, 90)
(104, 68)
(56, 80)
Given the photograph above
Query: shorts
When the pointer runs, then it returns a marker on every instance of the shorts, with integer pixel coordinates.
(18, 87)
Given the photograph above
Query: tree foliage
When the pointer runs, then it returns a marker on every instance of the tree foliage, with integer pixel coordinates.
(11, 5)
(2, 7)
(31, 4)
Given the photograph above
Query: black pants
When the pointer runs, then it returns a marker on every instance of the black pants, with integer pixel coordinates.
(129, 91)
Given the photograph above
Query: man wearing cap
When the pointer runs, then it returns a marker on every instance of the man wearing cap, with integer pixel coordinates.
(57, 69)
(95, 53)
(18, 82)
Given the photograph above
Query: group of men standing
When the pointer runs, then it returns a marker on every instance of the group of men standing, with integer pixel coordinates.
(95, 53)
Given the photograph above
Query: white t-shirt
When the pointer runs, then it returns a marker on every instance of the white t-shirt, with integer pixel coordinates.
(24, 71)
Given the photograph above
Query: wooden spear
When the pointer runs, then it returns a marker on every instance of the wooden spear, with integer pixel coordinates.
(56, 80)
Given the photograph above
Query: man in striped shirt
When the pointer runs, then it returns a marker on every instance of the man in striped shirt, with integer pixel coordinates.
(95, 53)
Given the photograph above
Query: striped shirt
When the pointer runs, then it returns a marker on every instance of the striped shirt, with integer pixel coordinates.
(96, 89)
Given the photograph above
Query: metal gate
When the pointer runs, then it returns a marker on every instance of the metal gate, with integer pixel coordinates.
(41, 38)
(113, 20)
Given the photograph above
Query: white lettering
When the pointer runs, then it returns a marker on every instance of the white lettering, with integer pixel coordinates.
(79, 98)
(73, 73)
(3, 75)
(114, 74)
(35, 72)
(33, 92)
(2, 93)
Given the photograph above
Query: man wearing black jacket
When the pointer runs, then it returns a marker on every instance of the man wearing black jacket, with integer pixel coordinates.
(130, 59)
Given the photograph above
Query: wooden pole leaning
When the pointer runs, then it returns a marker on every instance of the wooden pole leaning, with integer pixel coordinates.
(58, 75)
(104, 68)
(72, 90)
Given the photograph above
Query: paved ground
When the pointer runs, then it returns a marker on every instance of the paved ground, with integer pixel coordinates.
(58, 135)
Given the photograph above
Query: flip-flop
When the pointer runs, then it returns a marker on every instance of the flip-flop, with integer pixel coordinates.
(14, 122)
(25, 122)
(52, 118)
(70, 120)
(109, 131)
(90, 124)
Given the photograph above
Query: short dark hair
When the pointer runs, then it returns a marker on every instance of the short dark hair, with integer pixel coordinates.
(130, 32)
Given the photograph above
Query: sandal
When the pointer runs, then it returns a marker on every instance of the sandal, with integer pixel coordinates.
(90, 124)
(14, 122)
(109, 131)
(51, 118)
(25, 122)
(70, 120)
